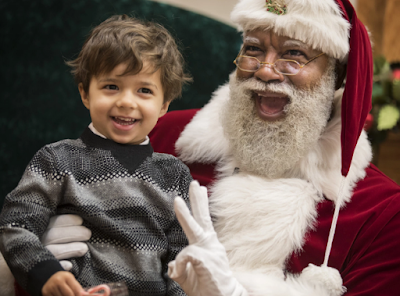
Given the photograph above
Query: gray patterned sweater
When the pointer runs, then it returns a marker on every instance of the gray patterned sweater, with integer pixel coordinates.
(125, 195)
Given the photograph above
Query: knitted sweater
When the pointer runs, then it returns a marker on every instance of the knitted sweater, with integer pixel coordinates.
(125, 195)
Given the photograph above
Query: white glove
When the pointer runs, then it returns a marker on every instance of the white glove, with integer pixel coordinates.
(202, 268)
(64, 238)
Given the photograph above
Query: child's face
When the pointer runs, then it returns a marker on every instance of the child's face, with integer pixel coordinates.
(125, 108)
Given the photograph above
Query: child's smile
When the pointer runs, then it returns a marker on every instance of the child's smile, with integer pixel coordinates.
(124, 123)
(125, 108)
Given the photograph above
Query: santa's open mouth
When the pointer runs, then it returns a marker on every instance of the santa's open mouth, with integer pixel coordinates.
(270, 106)
(124, 120)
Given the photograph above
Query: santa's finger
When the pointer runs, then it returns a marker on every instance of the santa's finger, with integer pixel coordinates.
(192, 229)
(179, 269)
(68, 250)
(199, 203)
(67, 265)
(65, 220)
(173, 272)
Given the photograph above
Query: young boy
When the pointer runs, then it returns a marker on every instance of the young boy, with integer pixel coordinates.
(127, 72)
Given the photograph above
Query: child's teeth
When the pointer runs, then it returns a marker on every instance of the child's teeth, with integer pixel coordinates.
(124, 119)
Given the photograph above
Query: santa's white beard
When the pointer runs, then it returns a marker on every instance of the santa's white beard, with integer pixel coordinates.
(272, 148)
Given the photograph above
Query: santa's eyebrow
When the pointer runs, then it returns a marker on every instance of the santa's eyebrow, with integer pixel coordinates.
(297, 43)
(251, 40)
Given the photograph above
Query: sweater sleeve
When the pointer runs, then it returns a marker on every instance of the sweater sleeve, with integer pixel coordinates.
(176, 237)
(24, 218)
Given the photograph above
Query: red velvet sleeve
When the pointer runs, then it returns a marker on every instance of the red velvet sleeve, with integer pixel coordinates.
(366, 247)
(373, 263)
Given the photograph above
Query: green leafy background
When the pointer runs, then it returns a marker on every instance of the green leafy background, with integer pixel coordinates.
(385, 104)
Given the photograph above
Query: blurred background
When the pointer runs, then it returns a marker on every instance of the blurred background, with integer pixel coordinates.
(40, 103)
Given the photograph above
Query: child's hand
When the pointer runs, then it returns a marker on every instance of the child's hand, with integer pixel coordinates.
(62, 283)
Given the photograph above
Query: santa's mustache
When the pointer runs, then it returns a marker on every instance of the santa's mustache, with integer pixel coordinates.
(251, 85)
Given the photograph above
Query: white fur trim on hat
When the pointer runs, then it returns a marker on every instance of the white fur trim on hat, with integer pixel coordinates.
(318, 23)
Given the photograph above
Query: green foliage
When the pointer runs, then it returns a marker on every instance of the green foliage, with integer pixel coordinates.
(385, 102)
(387, 117)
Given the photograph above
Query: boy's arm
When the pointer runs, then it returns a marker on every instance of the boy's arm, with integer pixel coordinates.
(23, 220)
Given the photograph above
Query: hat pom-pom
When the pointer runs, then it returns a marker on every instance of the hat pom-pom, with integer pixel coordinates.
(326, 277)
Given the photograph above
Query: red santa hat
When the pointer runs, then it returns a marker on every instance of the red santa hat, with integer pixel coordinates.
(331, 26)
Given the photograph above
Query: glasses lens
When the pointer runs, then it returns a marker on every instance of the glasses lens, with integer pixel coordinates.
(247, 63)
(287, 67)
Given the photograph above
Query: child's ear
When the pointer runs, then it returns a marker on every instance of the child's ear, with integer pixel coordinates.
(164, 109)
(84, 96)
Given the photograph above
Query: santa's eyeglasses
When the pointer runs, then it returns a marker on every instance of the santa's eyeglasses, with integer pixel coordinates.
(283, 66)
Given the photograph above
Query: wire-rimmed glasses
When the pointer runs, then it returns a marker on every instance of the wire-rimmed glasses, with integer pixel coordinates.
(282, 66)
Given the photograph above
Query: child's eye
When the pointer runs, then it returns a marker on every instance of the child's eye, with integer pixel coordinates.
(111, 87)
(145, 90)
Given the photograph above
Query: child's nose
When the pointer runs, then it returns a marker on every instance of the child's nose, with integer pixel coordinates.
(127, 100)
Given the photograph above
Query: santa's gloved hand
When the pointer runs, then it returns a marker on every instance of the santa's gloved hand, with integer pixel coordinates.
(202, 268)
(64, 238)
